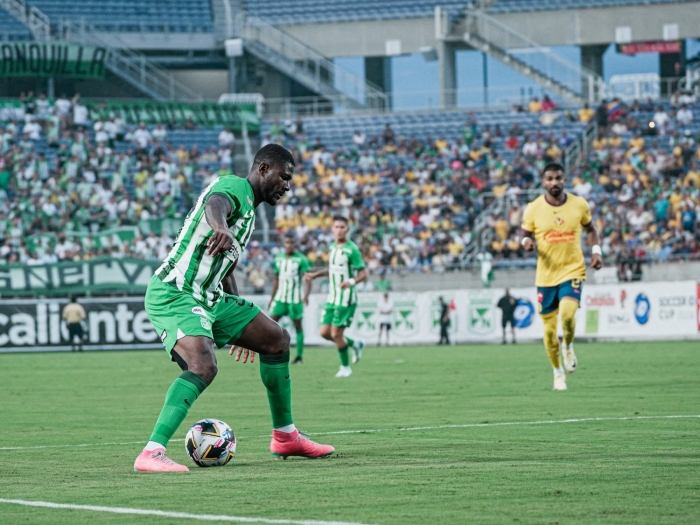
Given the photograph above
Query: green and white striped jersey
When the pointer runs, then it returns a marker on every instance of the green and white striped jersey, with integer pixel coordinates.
(344, 263)
(188, 266)
(290, 271)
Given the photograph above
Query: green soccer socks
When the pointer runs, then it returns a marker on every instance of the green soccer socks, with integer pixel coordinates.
(344, 356)
(300, 344)
(274, 372)
(181, 395)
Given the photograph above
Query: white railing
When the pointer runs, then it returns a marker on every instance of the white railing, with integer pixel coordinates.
(580, 80)
(329, 78)
(131, 66)
(32, 17)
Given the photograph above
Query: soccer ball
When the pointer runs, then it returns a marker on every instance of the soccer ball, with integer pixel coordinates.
(210, 443)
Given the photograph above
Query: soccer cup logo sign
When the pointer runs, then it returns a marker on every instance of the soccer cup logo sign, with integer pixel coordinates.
(642, 308)
(524, 313)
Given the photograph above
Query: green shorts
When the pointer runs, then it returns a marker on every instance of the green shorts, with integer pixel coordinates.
(295, 311)
(177, 314)
(338, 315)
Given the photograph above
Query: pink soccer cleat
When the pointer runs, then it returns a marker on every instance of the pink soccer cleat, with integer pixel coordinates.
(157, 461)
(285, 444)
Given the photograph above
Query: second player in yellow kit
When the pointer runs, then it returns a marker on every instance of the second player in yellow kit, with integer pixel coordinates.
(553, 223)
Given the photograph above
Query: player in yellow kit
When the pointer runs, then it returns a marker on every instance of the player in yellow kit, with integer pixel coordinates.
(553, 223)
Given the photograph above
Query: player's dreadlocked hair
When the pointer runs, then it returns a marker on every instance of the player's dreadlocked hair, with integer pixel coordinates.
(273, 154)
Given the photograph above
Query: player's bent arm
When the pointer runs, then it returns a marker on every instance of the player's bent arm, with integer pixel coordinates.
(315, 275)
(528, 240)
(275, 285)
(216, 210)
(361, 276)
(594, 240)
(229, 281)
(307, 289)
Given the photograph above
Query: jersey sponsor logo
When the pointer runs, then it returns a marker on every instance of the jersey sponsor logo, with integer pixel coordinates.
(198, 310)
(642, 309)
(555, 237)
(524, 313)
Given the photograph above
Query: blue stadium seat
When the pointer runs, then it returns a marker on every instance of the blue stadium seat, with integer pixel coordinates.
(512, 6)
(132, 15)
(281, 12)
(12, 29)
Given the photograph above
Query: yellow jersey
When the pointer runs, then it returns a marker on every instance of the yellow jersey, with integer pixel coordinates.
(557, 231)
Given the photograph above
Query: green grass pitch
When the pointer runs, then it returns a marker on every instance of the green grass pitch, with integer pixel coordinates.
(612, 470)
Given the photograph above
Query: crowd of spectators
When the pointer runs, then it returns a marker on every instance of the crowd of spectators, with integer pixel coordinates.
(642, 180)
(412, 201)
(100, 175)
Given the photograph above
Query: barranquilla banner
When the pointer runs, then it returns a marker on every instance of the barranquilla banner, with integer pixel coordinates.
(52, 59)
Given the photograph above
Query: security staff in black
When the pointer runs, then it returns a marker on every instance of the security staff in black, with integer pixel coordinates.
(508, 304)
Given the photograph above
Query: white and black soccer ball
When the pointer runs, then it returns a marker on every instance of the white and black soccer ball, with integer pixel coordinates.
(210, 443)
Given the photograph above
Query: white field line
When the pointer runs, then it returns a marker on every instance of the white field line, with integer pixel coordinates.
(167, 514)
(399, 429)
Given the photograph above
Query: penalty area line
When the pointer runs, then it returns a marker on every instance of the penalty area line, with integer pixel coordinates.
(168, 514)
(398, 429)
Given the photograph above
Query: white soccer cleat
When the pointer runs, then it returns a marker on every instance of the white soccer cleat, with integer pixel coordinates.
(560, 382)
(344, 371)
(569, 356)
(357, 347)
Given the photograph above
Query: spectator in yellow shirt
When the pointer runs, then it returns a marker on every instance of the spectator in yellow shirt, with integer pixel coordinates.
(502, 228)
(585, 114)
(535, 106)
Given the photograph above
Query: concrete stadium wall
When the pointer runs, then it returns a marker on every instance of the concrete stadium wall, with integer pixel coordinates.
(549, 28)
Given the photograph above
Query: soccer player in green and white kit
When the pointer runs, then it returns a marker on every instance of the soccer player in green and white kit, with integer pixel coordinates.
(192, 301)
(287, 299)
(346, 269)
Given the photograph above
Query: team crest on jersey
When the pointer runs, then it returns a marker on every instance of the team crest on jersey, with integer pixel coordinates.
(559, 221)
(206, 323)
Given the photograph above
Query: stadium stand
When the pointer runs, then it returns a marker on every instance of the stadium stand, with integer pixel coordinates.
(514, 6)
(132, 15)
(11, 28)
(413, 184)
(315, 11)
(644, 182)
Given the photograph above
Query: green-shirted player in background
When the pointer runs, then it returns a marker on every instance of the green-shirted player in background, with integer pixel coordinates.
(287, 298)
(346, 269)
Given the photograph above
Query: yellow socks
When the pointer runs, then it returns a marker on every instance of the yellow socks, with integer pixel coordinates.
(568, 319)
(551, 342)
